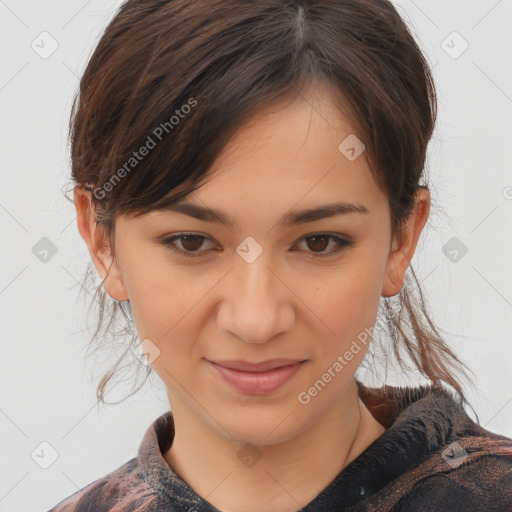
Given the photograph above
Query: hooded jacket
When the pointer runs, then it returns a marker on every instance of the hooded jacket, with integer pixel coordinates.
(431, 458)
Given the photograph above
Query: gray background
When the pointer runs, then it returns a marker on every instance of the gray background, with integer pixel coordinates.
(47, 394)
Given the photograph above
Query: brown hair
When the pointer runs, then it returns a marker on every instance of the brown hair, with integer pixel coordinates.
(180, 76)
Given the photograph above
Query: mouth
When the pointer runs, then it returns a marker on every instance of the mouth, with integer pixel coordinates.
(246, 366)
(257, 378)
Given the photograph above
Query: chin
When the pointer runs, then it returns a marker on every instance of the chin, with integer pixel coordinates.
(262, 428)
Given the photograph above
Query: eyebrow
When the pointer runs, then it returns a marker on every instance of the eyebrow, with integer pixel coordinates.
(290, 219)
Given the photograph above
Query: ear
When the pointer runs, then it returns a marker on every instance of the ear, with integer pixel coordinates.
(403, 249)
(96, 238)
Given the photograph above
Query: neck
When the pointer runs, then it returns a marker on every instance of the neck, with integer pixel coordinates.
(285, 476)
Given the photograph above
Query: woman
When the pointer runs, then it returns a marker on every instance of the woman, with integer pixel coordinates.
(247, 181)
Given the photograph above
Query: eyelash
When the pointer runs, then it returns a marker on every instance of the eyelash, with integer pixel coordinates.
(341, 244)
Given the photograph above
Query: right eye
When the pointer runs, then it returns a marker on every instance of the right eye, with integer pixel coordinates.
(190, 243)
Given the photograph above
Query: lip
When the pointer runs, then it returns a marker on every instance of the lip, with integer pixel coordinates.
(263, 366)
(257, 378)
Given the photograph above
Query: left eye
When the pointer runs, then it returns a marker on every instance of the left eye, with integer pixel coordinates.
(319, 241)
(191, 243)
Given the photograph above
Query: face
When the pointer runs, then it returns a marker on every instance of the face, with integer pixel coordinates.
(258, 287)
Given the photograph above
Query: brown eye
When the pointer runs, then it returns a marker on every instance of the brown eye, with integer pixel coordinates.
(317, 244)
(190, 244)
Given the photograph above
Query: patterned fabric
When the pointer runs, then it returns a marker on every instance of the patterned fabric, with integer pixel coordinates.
(431, 458)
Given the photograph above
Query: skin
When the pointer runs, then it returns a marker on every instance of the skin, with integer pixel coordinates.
(286, 303)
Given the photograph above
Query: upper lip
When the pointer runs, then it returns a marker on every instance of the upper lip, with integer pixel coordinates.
(256, 367)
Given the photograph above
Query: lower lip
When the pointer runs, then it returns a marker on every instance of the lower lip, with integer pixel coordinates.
(257, 383)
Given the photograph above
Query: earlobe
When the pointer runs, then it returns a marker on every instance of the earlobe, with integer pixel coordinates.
(395, 272)
(113, 281)
(94, 236)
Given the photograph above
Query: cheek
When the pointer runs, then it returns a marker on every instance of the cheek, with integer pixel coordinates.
(348, 306)
(162, 295)
(171, 302)
(347, 299)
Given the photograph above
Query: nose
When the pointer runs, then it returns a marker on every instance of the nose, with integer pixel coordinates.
(256, 304)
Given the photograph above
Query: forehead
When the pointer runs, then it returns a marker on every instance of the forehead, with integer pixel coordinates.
(288, 157)
(295, 150)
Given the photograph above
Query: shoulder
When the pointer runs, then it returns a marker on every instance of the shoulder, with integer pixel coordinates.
(444, 461)
(471, 473)
(123, 489)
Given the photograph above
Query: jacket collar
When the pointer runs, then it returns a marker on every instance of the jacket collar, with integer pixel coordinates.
(419, 422)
